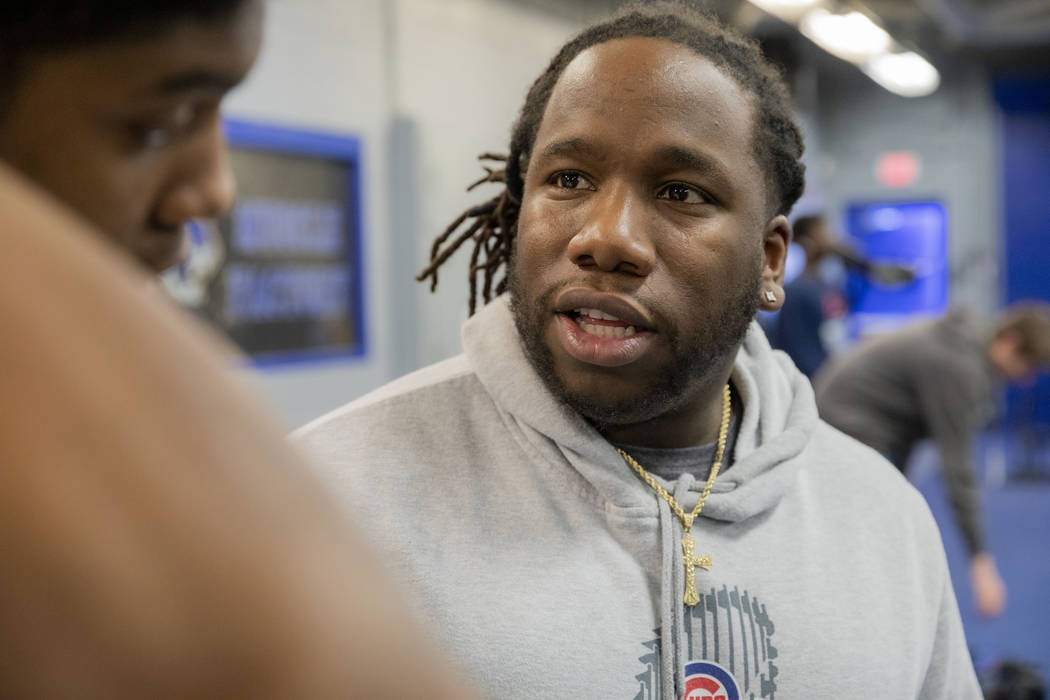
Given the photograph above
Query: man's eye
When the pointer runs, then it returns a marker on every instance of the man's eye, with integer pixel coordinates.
(161, 131)
(677, 192)
(149, 135)
(571, 181)
(155, 137)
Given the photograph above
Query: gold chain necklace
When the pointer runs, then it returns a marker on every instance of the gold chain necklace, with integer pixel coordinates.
(689, 557)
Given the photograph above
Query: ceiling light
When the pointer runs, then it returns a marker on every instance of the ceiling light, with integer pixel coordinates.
(852, 36)
(789, 10)
(907, 73)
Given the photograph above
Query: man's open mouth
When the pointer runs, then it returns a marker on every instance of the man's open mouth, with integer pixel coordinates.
(601, 324)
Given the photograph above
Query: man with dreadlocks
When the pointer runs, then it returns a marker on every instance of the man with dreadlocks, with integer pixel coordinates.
(620, 490)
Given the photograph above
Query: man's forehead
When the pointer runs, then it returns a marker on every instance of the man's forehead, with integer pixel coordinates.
(636, 66)
(656, 83)
(652, 89)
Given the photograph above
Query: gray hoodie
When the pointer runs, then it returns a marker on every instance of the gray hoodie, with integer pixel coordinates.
(550, 570)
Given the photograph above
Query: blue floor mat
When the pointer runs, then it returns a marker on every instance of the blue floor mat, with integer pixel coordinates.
(1015, 493)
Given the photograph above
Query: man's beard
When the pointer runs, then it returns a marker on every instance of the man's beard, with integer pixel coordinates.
(692, 358)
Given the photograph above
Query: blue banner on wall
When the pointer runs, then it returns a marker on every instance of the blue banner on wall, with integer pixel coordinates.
(912, 235)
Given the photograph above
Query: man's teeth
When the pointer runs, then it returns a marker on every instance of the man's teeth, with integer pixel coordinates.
(595, 313)
(582, 315)
(606, 331)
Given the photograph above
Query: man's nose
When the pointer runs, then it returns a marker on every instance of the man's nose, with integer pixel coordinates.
(204, 186)
(615, 235)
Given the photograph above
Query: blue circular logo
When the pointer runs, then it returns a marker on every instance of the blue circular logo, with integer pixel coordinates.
(706, 680)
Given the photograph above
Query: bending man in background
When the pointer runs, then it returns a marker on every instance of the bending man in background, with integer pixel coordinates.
(938, 380)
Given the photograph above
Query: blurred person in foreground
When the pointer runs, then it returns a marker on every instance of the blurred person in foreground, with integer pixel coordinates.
(619, 490)
(158, 538)
(938, 379)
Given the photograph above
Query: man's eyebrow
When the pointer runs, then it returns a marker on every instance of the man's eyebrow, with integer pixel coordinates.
(196, 81)
(679, 158)
(577, 147)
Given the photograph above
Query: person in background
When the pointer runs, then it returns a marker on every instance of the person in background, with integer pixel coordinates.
(158, 538)
(804, 327)
(809, 301)
(619, 490)
(938, 379)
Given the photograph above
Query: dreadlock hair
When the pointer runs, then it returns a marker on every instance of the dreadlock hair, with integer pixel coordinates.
(777, 138)
(30, 29)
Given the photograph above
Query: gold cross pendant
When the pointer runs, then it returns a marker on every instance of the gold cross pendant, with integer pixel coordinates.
(691, 561)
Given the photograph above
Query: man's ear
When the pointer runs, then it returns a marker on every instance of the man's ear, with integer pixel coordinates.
(775, 241)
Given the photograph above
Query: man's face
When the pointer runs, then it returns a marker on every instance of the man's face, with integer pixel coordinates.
(1010, 361)
(128, 132)
(644, 233)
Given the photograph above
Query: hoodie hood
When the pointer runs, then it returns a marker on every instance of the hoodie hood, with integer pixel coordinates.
(773, 431)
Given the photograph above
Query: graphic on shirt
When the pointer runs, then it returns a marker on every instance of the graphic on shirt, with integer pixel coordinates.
(709, 681)
(730, 628)
(649, 679)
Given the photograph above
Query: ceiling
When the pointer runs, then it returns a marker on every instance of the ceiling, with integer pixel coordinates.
(984, 23)
(1005, 35)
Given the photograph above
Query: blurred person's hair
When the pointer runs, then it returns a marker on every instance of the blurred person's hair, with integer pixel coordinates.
(1029, 323)
(777, 139)
(34, 29)
(804, 226)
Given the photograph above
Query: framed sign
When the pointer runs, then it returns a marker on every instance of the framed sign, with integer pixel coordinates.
(281, 274)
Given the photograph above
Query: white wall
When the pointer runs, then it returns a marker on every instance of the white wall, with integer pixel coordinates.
(318, 70)
(426, 85)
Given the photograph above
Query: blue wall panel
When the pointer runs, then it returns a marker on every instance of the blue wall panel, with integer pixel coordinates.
(1025, 139)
